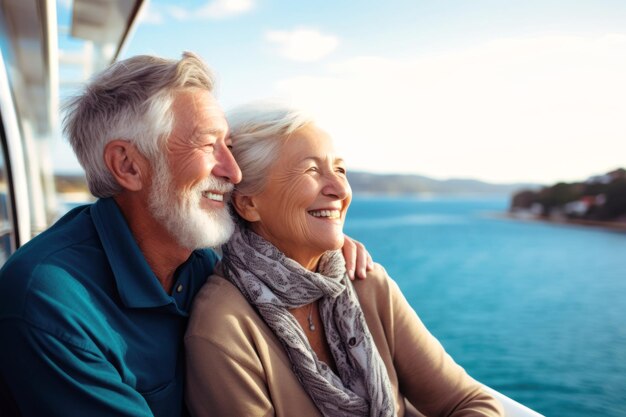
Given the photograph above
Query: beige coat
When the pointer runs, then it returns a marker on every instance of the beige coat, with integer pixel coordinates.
(237, 367)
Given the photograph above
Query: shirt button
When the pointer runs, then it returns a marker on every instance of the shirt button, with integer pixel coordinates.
(179, 288)
(352, 341)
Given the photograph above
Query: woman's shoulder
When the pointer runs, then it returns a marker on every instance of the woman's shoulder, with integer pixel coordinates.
(218, 292)
(376, 286)
(219, 305)
(377, 278)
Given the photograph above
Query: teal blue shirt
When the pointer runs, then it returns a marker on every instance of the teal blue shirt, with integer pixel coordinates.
(85, 327)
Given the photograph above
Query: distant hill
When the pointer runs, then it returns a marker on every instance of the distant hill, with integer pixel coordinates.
(71, 183)
(601, 198)
(369, 183)
(396, 184)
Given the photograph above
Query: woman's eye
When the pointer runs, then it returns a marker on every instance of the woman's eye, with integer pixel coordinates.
(341, 170)
(313, 169)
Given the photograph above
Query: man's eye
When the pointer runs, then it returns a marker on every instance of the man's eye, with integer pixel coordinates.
(313, 169)
(341, 170)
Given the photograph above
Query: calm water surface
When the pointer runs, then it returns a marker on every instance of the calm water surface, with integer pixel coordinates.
(536, 311)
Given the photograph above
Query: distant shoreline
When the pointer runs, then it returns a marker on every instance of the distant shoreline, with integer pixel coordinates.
(613, 226)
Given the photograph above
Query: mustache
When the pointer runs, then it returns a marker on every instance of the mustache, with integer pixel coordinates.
(215, 184)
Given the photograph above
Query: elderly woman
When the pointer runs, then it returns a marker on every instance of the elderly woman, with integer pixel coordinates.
(280, 330)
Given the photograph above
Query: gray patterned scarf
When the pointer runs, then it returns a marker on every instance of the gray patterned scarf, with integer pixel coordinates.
(274, 283)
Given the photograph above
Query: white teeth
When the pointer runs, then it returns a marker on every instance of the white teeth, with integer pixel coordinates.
(213, 196)
(331, 214)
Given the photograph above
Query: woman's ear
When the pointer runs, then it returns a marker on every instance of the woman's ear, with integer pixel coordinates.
(126, 164)
(245, 207)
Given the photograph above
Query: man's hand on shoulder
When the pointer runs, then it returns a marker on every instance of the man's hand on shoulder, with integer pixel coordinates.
(358, 259)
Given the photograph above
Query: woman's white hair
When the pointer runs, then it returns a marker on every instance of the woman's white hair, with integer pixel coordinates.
(258, 130)
(130, 100)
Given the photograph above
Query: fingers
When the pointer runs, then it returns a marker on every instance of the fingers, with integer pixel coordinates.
(350, 255)
(358, 259)
(363, 260)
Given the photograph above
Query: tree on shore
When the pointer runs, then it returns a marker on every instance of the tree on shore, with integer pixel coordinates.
(600, 198)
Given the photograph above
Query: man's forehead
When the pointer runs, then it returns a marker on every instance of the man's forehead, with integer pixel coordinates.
(212, 131)
(198, 99)
(197, 109)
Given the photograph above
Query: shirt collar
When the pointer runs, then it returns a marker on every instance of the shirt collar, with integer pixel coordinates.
(137, 285)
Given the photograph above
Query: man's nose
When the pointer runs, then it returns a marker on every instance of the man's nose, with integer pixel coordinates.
(226, 166)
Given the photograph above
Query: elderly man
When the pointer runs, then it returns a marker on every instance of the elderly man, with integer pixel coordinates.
(93, 311)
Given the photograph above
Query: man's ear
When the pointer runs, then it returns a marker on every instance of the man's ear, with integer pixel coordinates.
(126, 164)
(245, 207)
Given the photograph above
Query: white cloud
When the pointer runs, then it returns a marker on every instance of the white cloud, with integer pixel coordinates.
(180, 13)
(219, 9)
(539, 109)
(65, 4)
(215, 9)
(302, 45)
(152, 15)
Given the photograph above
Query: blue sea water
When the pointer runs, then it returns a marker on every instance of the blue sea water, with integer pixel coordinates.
(535, 310)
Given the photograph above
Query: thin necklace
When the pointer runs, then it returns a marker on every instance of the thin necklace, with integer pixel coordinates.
(310, 318)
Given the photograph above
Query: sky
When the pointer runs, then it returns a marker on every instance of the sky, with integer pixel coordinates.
(495, 90)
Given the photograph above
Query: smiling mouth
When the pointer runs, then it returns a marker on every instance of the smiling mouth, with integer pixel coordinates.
(327, 214)
(213, 196)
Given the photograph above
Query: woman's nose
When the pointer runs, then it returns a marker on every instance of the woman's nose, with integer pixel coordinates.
(337, 186)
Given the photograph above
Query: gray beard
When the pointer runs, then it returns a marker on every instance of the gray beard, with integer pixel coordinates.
(181, 213)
